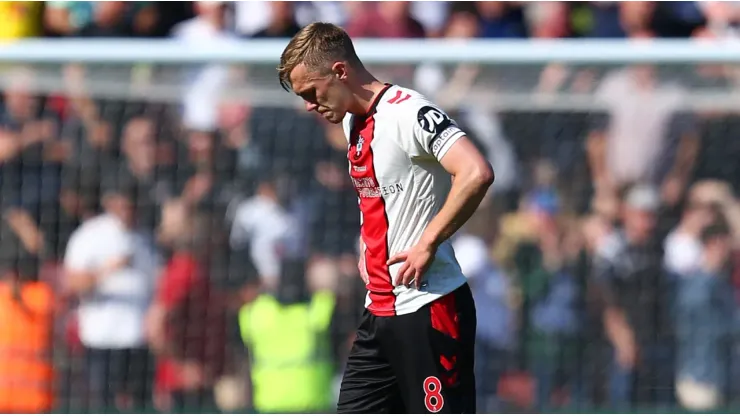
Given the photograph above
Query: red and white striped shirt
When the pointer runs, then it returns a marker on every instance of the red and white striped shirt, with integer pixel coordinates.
(394, 153)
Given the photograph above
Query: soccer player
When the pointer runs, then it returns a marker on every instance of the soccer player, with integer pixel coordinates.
(418, 179)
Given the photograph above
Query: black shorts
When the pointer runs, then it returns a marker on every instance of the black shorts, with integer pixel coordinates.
(416, 363)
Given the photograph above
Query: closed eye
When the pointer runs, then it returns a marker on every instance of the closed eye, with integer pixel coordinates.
(308, 95)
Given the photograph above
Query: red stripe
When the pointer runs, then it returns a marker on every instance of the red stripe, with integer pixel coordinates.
(444, 316)
(375, 235)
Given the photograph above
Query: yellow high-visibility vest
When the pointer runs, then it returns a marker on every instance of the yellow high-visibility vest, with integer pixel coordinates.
(290, 352)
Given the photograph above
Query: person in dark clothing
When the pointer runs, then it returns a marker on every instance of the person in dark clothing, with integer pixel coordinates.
(635, 295)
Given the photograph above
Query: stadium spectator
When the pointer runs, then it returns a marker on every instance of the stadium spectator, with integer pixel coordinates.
(282, 22)
(598, 19)
(550, 313)
(94, 19)
(707, 201)
(635, 296)
(206, 83)
(138, 166)
(501, 19)
(388, 19)
(643, 139)
(286, 332)
(112, 269)
(26, 320)
(29, 177)
(185, 324)
(705, 322)
(262, 224)
(549, 20)
(722, 18)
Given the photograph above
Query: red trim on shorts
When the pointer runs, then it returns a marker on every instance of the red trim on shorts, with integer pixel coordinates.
(443, 313)
(444, 316)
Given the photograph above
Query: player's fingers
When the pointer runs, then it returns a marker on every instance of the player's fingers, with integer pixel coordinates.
(408, 276)
(397, 258)
(400, 274)
(417, 279)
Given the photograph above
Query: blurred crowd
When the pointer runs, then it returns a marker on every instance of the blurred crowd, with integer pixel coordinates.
(393, 19)
(201, 254)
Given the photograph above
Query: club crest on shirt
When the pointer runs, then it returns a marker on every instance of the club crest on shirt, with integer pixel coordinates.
(358, 148)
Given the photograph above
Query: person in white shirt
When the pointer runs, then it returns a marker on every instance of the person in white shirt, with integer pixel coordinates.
(112, 269)
(707, 201)
(206, 83)
(267, 229)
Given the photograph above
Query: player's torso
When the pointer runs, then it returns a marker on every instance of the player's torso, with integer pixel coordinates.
(398, 196)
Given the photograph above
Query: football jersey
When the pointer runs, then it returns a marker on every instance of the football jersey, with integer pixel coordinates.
(394, 153)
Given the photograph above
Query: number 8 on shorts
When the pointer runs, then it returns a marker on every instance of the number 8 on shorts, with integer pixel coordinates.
(433, 399)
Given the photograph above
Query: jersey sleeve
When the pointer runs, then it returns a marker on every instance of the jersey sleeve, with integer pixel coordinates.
(432, 131)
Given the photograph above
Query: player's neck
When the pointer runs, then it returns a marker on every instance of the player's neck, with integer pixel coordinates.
(365, 94)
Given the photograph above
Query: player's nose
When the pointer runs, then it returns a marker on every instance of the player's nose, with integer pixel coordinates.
(311, 106)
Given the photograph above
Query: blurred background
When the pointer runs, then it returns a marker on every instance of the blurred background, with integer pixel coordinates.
(178, 234)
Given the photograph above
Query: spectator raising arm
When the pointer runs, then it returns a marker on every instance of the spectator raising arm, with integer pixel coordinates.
(688, 147)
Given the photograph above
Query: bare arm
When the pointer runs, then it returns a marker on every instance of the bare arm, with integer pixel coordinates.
(682, 168)
(472, 175)
(79, 282)
(596, 152)
(621, 336)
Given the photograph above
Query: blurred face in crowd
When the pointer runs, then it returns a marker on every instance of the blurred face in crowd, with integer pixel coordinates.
(213, 11)
(120, 206)
(138, 142)
(19, 99)
(717, 250)
(639, 224)
(174, 226)
(200, 145)
(394, 11)
(699, 214)
(462, 25)
(282, 12)
(326, 93)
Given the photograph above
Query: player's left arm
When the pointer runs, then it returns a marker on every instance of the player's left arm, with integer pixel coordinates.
(472, 175)
(437, 135)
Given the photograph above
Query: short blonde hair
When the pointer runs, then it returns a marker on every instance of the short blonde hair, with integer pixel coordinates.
(317, 46)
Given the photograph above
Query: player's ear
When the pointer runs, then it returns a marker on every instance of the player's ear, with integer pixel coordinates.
(339, 69)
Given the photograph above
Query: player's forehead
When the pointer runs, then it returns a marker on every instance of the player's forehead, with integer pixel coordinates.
(305, 79)
(301, 79)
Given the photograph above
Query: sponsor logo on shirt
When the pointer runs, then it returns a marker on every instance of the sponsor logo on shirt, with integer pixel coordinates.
(368, 188)
(432, 120)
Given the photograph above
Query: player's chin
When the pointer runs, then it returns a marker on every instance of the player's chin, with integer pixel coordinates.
(333, 117)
